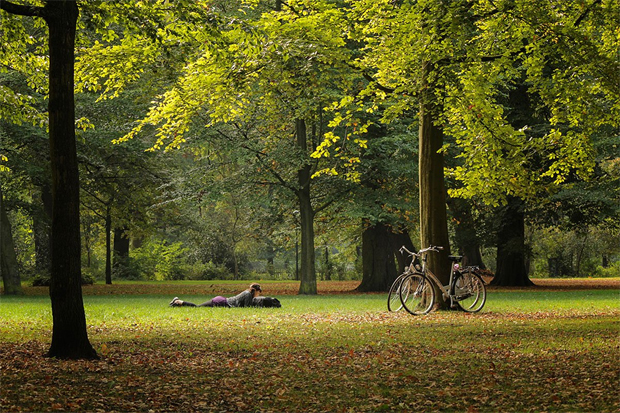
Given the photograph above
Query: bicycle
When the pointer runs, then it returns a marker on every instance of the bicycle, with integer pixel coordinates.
(417, 285)
(394, 302)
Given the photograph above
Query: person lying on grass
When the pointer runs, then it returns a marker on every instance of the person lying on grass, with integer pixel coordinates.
(243, 299)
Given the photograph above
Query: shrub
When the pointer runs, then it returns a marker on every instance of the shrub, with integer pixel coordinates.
(613, 270)
(207, 271)
(45, 280)
(157, 260)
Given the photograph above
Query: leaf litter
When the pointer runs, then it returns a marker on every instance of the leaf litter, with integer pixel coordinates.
(329, 362)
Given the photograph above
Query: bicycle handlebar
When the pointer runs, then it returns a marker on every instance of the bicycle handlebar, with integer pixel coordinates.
(422, 251)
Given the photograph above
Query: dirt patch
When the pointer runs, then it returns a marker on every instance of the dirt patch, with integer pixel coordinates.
(275, 288)
(577, 283)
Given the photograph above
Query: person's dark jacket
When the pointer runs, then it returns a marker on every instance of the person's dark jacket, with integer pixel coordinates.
(243, 299)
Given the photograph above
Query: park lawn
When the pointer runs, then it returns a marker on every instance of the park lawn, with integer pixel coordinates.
(541, 350)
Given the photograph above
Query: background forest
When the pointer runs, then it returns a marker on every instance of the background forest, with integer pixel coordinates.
(257, 140)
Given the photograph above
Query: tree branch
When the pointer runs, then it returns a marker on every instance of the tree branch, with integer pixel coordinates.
(585, 13)
(377, 84)
(21, 10)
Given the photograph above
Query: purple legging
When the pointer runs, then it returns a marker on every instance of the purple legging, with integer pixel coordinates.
(218, 301)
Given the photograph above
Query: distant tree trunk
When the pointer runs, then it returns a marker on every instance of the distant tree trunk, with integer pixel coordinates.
(121, 244)
(42, 232)
(8, 259)
(465, 232)
(297, 275)
(235, 263)
(583, 234)
(511, 270)
(605, 261)
(87, 239)
(306, 215)
(121, 250)
(327, 276)
(108, 246)
(433, 218)
(69, 334)
(378, 264)
(271, 253)
(136, 242)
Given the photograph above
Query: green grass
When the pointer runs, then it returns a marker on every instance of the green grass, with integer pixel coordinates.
(554, 301)
(526, 351)
(124, 310)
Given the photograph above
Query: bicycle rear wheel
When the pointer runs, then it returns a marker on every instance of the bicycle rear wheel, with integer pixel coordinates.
(417, 294)
(469, 292)
(394, 303)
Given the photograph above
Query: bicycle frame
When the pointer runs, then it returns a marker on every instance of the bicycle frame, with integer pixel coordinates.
(445, 289)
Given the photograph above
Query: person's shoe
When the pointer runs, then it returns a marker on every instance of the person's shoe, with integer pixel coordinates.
(173, 303)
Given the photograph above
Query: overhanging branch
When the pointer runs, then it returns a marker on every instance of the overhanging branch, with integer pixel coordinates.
(21, 10)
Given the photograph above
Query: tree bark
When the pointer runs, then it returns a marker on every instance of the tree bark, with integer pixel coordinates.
(465, 232)
(327, 276)
(121, 251)
(378, 264)
(270, 252)
(306, 216)
(69, 334)
(108, 246)
(121, 244)
(511, 270)
(8, 259)
(433, 218)
(42, 232)
(399, 240)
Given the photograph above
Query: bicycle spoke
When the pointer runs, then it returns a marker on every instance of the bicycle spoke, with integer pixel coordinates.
(394, 303)
(469, 292)
(417, 294)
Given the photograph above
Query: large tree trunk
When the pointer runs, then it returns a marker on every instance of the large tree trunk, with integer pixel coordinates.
(465, 232)
(402, 239)
(8, 259)
(306, 215)
(378, 265)
(69, 335)
(433, 220)
(511, 270)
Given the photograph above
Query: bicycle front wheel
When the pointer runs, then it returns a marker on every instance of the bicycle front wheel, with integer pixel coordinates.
(417, 294)
(394, 303)
(469, 292)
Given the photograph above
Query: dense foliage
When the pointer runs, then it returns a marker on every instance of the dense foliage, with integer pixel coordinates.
(207, 103)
